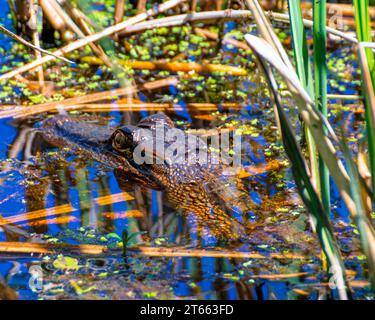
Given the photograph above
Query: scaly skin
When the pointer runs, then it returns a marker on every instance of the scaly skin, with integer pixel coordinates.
(202, 189)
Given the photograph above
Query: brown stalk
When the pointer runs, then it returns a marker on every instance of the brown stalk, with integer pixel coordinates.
(193, 6)
(364, 171)
(65, 17)
(214, 36)
(119, 11)
(79, 18)
(35, 36)
(174, 66)
(141, 6)
(52, 16)
(119, 14)
(136, 106)
(49, 248)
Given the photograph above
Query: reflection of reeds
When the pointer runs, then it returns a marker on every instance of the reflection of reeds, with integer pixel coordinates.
(68, 208)
(38, 214)
(51, 221)
(83, 186)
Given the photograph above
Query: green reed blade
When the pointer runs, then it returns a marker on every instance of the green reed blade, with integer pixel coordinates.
(300, 47)
(320, 71)
(304, 72)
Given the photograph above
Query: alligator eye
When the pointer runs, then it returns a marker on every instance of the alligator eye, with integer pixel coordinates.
(119, 141)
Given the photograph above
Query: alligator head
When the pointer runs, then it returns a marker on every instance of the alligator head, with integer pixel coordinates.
(158, 155)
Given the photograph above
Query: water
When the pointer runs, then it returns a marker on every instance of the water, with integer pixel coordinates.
(37, 177)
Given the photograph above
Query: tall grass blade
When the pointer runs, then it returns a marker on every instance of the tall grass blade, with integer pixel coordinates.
(267, 32)
(304, 72)
(320, 70)
(300, 47)
(308, 193)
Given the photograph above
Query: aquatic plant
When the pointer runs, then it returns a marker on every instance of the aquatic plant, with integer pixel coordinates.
(323, 137)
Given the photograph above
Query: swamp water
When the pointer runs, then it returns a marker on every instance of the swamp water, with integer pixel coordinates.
(58, 196)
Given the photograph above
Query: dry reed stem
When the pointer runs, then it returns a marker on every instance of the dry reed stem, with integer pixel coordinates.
(141, 6)
(30, 45)
(174, 66)
(49, 221)
(49, 248)
(81, 20)
(52, 16)
(212, 16)
(119, 11)
(75, 102)
(137, 106)
(66, 18)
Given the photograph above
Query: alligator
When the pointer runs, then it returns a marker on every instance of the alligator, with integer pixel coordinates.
(215, 199)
